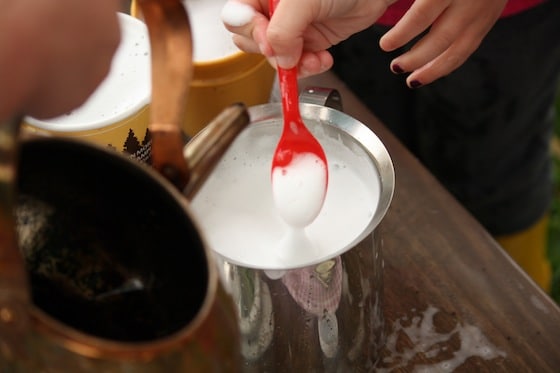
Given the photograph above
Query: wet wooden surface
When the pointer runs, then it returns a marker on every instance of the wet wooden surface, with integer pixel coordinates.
(453, 299)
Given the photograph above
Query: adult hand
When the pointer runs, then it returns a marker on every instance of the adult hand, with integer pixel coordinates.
(300, 31)
(54, 53)
(456, 28)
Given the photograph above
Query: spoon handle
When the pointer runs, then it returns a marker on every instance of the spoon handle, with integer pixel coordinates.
(290, 94)
(287, 79)
(172, 70)
(272, 6)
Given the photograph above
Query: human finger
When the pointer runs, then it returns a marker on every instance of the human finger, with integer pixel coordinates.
(245, 44)
(286, 29)
(313, 63)
(248, 27)
(416, 20)
(69, 72)
(442, 65)
(453, 37)
(440, 37)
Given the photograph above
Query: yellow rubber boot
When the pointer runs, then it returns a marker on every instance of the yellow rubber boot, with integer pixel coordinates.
(529, 249)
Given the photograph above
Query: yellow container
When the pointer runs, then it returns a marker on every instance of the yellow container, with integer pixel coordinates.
(241, 77)
(217, 83)
(129, 135)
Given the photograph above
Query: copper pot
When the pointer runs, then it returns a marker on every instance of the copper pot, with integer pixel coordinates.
(120, 279)
(108, 271)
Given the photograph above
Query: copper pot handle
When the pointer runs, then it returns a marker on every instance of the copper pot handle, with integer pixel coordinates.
(204, 150)
(172, 70)
(14, 285)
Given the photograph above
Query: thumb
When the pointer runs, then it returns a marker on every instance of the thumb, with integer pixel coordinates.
(286, 29)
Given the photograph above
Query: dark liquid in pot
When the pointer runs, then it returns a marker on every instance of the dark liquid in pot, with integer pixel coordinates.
(134, 316)
(108, 252)
(87, 288)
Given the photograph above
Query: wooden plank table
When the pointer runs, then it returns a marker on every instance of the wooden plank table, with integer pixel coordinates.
(453, 299)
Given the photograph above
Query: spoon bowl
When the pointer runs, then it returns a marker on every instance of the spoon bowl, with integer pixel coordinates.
(299, 165)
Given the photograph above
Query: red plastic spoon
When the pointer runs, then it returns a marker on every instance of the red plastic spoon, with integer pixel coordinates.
(299, 165)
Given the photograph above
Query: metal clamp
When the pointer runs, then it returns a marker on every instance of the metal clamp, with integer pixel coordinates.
(328, 97)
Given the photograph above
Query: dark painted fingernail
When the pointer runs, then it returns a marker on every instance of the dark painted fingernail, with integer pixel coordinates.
(415, 84)
(397, 69)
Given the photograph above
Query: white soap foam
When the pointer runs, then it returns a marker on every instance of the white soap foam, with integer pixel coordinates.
(211, 40)
(237, 14)
(125, 90)
(236, 212)
(539, 304)
(425, 340)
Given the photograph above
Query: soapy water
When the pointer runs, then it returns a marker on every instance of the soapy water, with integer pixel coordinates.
(239, 218)
(427, 341)
(539, 304)
(295, 242)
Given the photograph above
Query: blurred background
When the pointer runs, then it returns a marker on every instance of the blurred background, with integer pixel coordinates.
(554, 229)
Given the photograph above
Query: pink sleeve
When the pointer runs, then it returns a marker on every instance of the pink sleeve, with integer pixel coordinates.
(396, 10)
